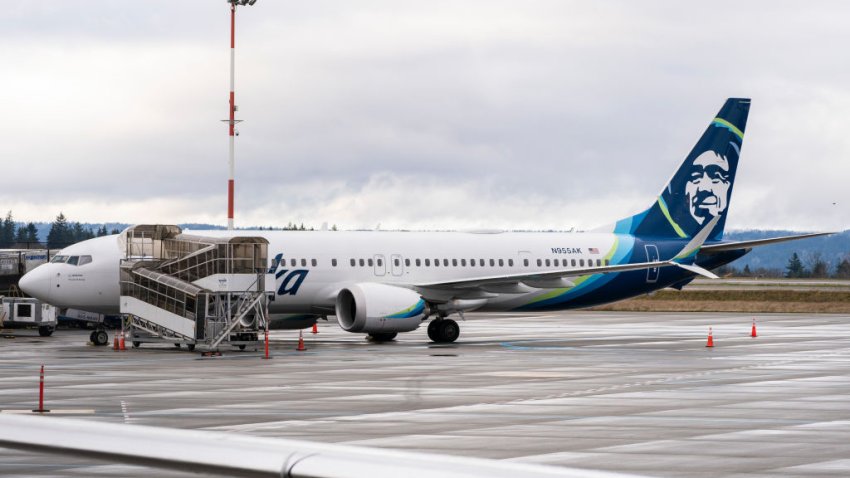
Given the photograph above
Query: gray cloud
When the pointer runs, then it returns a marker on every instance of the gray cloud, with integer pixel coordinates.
(441, 115)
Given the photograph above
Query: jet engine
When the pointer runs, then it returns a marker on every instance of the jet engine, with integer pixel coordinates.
(379, 308)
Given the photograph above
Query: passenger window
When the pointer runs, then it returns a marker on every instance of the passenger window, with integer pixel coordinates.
(598, 262)
(510, 262)
(573, 262)
(481, 262)
(407, 262)
(362, 263)
(303, 262)
(525, 262)
(463, 262)
(396, 262)
(539, 262)
(501, 263)
(492, 263)
(427, 262)
(73, 260)
(314, 263)
(454, 262)
(418, 263)
(555, 262)
(294, 263)
(353, 263)
(371, 263)
(547, 262)
(581, 262)
(607, 262)
(436, 263)
(380, 263)
(445, 263)
(333, 262)
(85, 260)
(472, 263)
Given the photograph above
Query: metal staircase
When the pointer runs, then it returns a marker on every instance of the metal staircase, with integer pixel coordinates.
(199, 291)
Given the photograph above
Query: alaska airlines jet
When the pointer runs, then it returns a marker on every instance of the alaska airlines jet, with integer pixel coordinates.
(383, 283)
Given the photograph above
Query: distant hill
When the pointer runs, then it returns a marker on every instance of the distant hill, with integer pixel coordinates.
(775, 256)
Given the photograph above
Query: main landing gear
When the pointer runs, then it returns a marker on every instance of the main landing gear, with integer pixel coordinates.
(443, 331)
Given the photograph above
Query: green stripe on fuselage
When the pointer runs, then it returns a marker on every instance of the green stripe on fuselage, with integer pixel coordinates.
(563, 290)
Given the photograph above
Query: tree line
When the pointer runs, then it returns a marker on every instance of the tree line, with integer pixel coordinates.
(62, 233)
(12, 235)
(815, 267)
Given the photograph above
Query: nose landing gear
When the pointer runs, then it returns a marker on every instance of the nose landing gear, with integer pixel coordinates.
(443, 331)
(99, 337)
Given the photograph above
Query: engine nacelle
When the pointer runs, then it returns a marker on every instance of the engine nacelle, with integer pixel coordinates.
(370, 307)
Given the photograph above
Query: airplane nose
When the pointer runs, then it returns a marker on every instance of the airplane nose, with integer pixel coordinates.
(36, 283)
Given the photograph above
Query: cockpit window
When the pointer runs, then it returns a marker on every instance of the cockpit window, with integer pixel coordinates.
(59, 259)
(84, 260)
(73, 260)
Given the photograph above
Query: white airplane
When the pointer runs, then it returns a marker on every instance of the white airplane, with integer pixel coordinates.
(383, 283)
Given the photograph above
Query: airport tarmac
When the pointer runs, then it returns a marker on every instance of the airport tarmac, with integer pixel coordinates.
(627, 392)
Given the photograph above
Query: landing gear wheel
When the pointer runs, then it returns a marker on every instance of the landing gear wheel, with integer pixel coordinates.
(443, 331)
(190, 347)
(46, 330)
(177, 345)
(100, 337)
(137, 345)
(382, 337)
(91, 337)
(242, 347)
(432, 329)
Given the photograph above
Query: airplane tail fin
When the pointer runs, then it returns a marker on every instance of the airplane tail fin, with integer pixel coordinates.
(702, 186)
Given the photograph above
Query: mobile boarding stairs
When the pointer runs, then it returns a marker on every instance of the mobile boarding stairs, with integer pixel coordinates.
(204, 292)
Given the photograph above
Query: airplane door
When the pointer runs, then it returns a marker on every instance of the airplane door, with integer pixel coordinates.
(651, 256)
(396, 265)
(380, 266)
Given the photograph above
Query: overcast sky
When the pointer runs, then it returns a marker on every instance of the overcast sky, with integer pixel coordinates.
(423, 115)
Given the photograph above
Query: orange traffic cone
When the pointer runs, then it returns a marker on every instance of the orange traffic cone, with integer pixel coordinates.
(753, 333)
(710, 342)
(315, 328)
(121, 343)
(115, 343)
(301, 346)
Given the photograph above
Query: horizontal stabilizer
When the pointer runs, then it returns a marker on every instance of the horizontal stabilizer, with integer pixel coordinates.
(698, 270)
(732, 246)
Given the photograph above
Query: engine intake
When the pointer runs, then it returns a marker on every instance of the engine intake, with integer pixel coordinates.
(370, 307)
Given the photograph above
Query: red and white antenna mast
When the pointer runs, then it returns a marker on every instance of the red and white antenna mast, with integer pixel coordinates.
(232, 121)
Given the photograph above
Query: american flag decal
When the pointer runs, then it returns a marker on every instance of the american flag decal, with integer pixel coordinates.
(593, 250)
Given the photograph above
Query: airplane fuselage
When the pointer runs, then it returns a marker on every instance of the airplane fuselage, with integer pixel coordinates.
(310, 267)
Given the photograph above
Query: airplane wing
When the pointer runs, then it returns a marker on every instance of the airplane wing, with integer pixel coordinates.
(560, 278)
(201, 451)
(731, 246)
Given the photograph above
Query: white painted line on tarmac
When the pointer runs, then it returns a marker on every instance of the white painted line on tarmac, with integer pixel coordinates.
(51, 412)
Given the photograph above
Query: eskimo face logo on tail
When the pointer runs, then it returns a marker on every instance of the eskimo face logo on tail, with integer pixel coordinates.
(707, 187)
